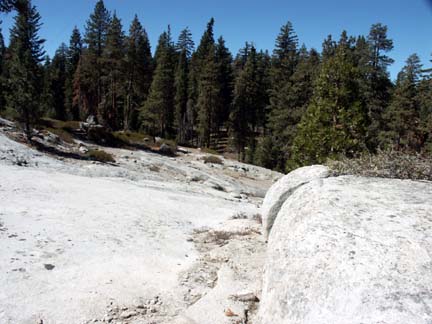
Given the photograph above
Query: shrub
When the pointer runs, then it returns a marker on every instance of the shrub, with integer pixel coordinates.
(59, 124)
(100, 135)
(385, 164)
(212, 159)
(99, 155)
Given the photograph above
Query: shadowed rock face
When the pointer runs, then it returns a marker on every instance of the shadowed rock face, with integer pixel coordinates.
(282, 189)
(351, 250)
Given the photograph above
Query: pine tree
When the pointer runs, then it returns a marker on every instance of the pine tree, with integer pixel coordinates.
(157, 113)
(7, 5)
(245, 106)
(197, 64)
(186, 43)
(95, 37)
(139, 69)
(23, 71)
(328, 48)
(264, 81)
(2, 81)
(208, 102)
(183, 119)
(181, 97)
(335, 120)
(47, 100)
(282, 107)
(224, 61)
(403, 114)
(113, 76)
(2, 49)
(73, 56)
(424, 99)
(379, 84)
(240, 59)
(58, 77)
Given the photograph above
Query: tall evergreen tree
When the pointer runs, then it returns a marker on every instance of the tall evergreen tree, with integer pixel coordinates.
(208, 102)
(379, 84)
(328, 48)
(183, 119)
(23, 70)
(198, 61)
(46, 99)
(2, 86)
(403, 114)
(181, 97)
(245, 105)
(335, 120)
(157, 113)
(424, 98)
(96, 32)
(73, 56)
(224, 61)
(113, 75)
(58, 77)
(284, 62)
(186, 43)
(2, 48)
(139, 69)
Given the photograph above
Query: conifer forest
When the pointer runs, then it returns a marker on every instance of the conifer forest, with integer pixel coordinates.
(282, 108)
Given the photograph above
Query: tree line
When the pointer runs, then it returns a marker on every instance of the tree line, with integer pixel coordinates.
(293, 107)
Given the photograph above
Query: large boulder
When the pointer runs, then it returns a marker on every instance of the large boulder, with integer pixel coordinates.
(283, 188)
(351, 250)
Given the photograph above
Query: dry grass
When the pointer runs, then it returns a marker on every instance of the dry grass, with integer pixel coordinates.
(99, 155)
(209, 151)
(132, 138)
(212, 159)
(385, 164)
(62, 134)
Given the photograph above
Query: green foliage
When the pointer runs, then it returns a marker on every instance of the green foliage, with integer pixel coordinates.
(283, 110)
(293, 108)
(157, 114)
(2, 81)
(335, 120)
(72, 59)
(225, 79)
(183, 120)
(403, 114)
(245, 107)
(138, 71)
(7, 5)
(377, 83)
(113, 78)
(181, 96)
(89, 81)
(266, 153)
(209, 100)
(24, 74)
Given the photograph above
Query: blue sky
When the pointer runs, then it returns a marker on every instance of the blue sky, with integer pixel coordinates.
(409, 21)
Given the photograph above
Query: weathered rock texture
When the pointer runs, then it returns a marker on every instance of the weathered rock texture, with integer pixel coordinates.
(282, 189)
(351, 250)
